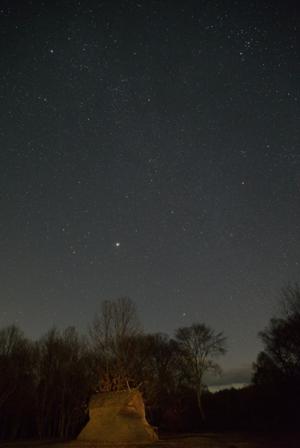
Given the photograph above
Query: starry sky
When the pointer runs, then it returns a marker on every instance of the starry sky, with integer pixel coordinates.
(149, 149)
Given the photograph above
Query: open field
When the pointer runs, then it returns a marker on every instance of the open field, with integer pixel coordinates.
(209, 440)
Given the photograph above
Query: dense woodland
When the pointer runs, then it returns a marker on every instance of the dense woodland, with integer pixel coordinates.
(45, 385)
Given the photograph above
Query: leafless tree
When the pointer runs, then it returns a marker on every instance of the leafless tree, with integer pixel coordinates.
(15, 380)
(199, 345)
(64, 382)
(281, 340)
(112, 335)
(13, 349)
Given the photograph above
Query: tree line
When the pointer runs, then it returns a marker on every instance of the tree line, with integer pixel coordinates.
(45, 385)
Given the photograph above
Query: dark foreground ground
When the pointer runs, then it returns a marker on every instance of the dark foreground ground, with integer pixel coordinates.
(209, 440)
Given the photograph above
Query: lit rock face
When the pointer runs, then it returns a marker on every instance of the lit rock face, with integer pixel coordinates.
(118, 417)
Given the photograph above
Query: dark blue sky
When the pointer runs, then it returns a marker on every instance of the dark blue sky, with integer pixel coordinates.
(170, 128)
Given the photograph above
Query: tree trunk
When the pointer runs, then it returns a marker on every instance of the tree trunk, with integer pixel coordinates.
(199, 400)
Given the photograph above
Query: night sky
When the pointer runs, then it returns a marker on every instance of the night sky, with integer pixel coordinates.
(149, 149)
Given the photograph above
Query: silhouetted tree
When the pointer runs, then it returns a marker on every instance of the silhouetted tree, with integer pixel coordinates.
(64, 383)
(113, 339)
(155, 368)
(199, 345)
(277, 368)
(280, 359)
(16, 382)
(162, 359)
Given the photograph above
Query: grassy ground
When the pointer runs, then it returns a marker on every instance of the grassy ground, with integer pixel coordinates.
(228, 440)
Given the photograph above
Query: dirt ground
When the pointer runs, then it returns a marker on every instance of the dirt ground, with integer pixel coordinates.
(228, 440)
